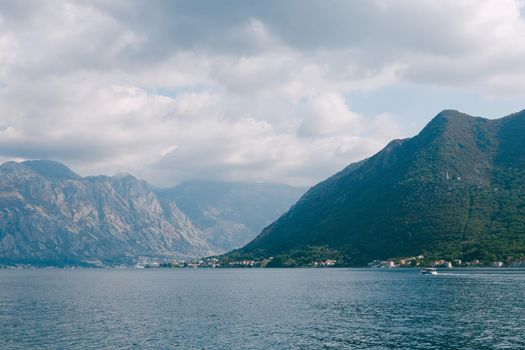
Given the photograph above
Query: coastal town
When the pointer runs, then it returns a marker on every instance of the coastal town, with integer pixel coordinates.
(214, 262)
(406, 262)
(419, 261)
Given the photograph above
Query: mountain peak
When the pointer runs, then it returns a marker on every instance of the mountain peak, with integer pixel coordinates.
(449, 121)
(456, 189)
(51, 169)
(124, 176)
(451, 115)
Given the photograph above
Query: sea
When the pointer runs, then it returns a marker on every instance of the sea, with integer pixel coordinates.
(262, 309)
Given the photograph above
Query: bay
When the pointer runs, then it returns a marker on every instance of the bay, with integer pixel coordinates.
(262, 309)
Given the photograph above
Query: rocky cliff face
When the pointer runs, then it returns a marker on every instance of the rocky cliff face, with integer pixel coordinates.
(48, 214)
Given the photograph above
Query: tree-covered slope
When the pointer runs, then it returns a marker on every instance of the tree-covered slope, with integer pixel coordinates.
(457, 189)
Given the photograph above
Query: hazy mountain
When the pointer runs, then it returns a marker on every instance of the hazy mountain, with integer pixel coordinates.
(232, 214)
(48, 214)
(457, 189)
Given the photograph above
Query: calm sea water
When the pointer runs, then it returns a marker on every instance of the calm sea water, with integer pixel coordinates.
(261, 309)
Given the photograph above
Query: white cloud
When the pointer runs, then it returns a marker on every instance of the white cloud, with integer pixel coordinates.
(328, 115)
(173, 91)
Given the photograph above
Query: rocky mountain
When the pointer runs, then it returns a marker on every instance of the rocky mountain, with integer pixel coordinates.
(50, 215)
(456, 190)
(231, 214)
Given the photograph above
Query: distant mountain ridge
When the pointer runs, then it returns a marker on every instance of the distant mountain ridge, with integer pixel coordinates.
(230, 214)
(455, 190)
(50, 215)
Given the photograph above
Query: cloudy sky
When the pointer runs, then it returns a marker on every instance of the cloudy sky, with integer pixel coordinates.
(275, 91)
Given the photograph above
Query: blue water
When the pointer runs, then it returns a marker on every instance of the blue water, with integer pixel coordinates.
(261, 309)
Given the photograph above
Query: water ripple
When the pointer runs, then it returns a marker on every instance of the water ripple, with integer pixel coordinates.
(261, 309)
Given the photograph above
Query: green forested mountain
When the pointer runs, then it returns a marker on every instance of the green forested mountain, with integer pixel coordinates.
(456, 190)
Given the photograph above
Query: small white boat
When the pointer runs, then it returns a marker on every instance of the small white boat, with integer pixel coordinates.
(429, 271)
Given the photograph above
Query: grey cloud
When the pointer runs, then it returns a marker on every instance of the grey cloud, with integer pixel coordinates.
(235, 90)
(304, 25)
(163, 27)
(68, 150)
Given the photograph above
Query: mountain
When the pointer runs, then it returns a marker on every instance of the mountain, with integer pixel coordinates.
(50, 215)
(456, 190)
(231, 214)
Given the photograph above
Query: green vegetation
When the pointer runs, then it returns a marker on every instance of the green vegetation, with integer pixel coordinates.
(455, 191)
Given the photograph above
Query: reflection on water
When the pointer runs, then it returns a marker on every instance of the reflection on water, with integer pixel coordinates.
(262, 309)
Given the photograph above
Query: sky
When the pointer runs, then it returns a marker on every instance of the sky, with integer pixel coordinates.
(254, 91)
